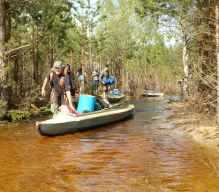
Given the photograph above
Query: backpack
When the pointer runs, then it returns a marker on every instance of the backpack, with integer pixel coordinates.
(101, 103)
(96, 106)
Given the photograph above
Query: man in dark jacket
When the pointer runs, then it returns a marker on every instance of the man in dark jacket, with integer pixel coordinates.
(104, 75)
(67, 70)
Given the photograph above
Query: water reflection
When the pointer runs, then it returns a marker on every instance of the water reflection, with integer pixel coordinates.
(143, 153)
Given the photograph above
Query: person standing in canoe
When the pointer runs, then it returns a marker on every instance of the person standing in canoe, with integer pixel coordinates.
(60, 84)
(104, 75)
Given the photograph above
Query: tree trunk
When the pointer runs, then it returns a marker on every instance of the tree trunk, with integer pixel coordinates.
(33, 58)
(16, 70)
(8, 33)
(100, 67)
(23, 73)
(52, 51)
(200, 36)
(217, 50)
(185, 62)
(90, 44)
(123, 72)
(145, 70)
(71, 59)
(3, 74)
(33, 65)
(82, 49)
(36, 60)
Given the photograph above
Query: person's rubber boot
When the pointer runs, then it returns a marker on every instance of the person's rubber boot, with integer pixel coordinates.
(54, 109)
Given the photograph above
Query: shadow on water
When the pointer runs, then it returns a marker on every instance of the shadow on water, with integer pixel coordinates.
(141, 153)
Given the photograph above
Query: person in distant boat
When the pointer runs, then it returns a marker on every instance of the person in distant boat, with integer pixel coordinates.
(82, 79)
(95, 75)
(104, 75)
(61, 88)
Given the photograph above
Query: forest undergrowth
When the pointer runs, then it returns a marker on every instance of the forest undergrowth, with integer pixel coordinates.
(21, 100)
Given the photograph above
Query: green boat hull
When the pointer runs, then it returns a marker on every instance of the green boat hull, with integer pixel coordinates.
(67, 123)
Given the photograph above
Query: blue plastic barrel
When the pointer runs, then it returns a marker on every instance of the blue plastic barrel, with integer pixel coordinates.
(86, 102)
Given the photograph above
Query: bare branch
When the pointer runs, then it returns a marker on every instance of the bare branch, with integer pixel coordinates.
(24, 46)
(20, 4)
(7, 10)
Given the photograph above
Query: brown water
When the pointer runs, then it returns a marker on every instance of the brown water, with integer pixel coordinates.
(143, 153)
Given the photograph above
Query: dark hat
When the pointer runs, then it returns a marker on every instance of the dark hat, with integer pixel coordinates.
(67, 65)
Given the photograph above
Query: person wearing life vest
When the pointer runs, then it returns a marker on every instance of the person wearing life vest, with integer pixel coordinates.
(60, 84)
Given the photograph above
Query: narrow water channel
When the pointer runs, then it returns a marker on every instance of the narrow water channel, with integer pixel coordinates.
(142, 153)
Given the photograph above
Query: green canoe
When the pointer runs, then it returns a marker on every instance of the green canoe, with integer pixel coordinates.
(65, 123)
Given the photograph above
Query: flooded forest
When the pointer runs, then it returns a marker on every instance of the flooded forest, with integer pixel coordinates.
(166, 40)
(157, 148)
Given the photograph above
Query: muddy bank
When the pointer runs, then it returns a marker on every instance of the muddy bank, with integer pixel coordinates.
(198, 126)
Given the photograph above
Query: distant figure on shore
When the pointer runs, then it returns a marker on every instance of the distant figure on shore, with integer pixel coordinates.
(150, 84)
(82, 79)
(181, 79)
(95, 75)
(104, 75)
(131, 83)
(183, 88)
